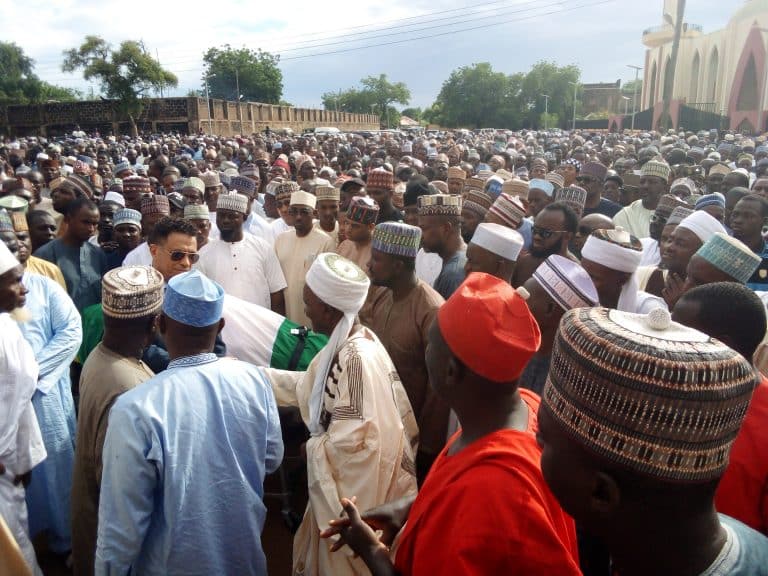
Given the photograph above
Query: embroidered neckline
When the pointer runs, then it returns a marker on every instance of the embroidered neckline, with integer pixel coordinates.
(196, 360)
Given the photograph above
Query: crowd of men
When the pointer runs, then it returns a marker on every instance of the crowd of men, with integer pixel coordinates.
(509, 352)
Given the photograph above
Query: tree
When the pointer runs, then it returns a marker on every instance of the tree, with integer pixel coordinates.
(126, 74)
(255, 72)
(553, 80)
(385, 94)
(413, 113)
(376, 97)
(477, 97)
(20, 85)
(628, 88)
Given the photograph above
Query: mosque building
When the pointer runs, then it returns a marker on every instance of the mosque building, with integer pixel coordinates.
(722, 72)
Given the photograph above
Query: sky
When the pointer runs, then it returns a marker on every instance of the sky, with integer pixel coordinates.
(601, 36)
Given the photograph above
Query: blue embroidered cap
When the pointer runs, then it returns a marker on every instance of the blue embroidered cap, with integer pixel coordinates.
(193, 299)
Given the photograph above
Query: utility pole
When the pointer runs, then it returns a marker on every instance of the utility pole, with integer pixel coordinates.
(575, 89)
(546, 110)
(208, 102)
(237, 87)
(669, 74)
(634, 95)
(157, 53)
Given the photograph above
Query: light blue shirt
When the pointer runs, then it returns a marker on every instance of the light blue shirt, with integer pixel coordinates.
(184, 462)
(54, 332)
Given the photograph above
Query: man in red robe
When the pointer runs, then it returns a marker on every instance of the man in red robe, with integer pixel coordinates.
(484, 507)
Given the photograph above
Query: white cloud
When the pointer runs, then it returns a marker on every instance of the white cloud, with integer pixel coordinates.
(601, 39)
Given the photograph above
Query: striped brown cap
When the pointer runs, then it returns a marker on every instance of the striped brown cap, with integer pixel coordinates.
(648, 394)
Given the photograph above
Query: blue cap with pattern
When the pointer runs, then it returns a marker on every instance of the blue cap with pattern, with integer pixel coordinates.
(193, 299)
(731, 256)
(397, 239)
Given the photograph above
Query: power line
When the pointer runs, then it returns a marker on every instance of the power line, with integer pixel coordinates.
(418, 38)
(377, 27)
(399, 32)
(429, 36)
(449, 32)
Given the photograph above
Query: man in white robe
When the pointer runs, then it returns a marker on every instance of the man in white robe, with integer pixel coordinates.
(363, 431)
(21, 443)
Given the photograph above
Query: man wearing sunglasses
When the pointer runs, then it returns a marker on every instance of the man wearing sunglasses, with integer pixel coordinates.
(553, 229)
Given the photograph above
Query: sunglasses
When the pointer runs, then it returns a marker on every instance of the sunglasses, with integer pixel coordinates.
(544, 233)
(178, 255)
(585, 179)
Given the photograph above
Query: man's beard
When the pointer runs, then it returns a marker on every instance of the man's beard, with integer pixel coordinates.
(546, 252)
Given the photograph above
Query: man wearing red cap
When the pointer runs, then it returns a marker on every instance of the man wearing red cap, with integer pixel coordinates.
(484, 508)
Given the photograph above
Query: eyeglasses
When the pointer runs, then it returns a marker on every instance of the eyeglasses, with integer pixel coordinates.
(585, 179)
(302, 211)
(656, 219)
(178, 255)
(544, 233)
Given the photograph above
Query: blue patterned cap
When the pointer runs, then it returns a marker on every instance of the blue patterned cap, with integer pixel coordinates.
(714, 199)
(194, 300)
(397, 239)
(243, 185)
(730, 256)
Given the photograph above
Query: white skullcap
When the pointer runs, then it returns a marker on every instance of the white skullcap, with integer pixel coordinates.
(115, 197)
(341, 284)
(498, 239)
(304, 199)
(702, 224)
(612, 249)
(567, 283)
(7, 260)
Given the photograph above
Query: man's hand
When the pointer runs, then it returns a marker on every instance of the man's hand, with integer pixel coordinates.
(673, 289)
(354, 532)
(24, 479)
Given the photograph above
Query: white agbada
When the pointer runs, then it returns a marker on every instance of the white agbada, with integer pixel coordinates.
(139, 256)
(362, 425)
(248, 269)
(21, 443)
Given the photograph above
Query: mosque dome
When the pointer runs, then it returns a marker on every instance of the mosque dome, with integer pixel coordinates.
(751, 10)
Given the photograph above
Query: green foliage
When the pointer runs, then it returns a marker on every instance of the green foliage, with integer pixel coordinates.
(20, 85)
(549, 120)
(413, 113)
(126, 74)
(478, 97)
(629, 88)
(375, 97)
(256, 71)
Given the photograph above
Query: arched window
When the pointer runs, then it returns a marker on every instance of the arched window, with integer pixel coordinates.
(666, 88)
(748, 92)
(714, 61)
(693, 92)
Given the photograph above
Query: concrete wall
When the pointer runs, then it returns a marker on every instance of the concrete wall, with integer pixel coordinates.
(185, 115)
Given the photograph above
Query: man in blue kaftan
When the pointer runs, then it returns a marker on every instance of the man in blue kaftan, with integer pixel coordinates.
(186, 453)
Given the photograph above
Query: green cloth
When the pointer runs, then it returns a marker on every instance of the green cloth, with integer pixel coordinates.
(285, 344)
(93, 331)
(282, 350)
